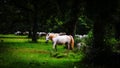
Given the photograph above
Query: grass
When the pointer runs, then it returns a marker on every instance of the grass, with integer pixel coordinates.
(18, 52)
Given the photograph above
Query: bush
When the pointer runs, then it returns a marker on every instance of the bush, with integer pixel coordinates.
(82, 44)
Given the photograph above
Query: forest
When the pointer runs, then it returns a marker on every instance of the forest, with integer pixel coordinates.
(98, 19)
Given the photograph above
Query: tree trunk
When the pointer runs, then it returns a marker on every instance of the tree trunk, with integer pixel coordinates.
(117, 32)
(35, 26)
(29, 20)
(34, 35)
(73, 17)
(98, 32)
(97, 10)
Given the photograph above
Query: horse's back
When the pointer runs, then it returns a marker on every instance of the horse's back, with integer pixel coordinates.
(63, 38)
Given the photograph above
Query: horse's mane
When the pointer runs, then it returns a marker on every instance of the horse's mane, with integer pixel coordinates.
(52, 35)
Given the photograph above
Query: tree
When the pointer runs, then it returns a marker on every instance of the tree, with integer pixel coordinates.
(74, 14)
(100, 12)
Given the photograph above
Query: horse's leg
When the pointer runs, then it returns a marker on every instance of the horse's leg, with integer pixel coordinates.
(54, 46)
(68, 46)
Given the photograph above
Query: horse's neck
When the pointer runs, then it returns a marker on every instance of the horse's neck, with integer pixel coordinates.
(51, 37)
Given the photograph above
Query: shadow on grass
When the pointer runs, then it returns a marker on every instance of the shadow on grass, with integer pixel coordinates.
(34, 64)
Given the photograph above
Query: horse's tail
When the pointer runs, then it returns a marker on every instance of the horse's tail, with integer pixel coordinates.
(72, 42)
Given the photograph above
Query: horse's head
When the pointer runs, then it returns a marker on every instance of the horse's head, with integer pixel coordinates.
(47, 38)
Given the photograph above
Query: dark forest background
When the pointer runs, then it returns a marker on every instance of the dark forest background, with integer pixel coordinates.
(70, 16)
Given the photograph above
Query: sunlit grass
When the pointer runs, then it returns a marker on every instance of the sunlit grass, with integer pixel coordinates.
(12, 36)
(14, 40)
(21, 53)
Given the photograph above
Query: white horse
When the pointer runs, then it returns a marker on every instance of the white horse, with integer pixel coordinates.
(63, 40)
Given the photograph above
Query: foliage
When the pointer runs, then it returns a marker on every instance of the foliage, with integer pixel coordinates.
(89, 39)
(110, 39)
(19, 15)
(84, 44)
(111, 42)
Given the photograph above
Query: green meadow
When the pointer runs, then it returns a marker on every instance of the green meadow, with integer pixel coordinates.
(20, 52)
